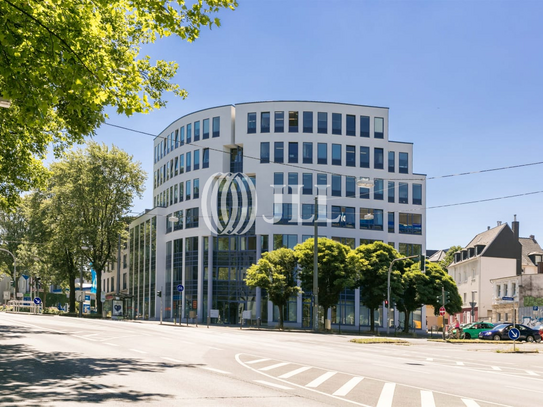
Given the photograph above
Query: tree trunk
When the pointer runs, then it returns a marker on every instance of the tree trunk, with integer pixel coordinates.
(98, 291)
(407, 315)
(372, 319)
(71, 282)
(280, 316)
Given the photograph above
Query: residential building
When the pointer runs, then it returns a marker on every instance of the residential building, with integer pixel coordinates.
(233, 182)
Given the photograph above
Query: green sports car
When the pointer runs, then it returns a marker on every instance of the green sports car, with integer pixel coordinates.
(472, 330)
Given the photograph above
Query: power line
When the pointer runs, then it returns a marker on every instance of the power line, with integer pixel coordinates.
(485, 200)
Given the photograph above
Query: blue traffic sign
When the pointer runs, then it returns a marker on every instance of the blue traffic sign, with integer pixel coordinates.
(180, 287)
(514, 334)
(37, 300)
(535, 308)
(508, 299)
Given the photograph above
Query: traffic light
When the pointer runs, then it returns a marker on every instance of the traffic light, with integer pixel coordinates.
(38, 279)
(447, 297)
(13, 283)
(422, 263)
(386, 303)
(159, 294)
(439, 299)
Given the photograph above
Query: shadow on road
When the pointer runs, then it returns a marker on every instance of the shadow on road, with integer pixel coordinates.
(30, 377)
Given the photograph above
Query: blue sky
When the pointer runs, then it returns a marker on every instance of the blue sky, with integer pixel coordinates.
(463, 81)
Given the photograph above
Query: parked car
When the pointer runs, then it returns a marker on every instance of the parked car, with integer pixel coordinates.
(474, 329)
(501, 333)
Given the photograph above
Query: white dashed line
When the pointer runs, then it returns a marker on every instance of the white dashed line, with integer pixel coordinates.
(213, 370)
(111, 344)
(173, 360)
(531, 373)
(496, 368)
(136, 350)
(460, 363)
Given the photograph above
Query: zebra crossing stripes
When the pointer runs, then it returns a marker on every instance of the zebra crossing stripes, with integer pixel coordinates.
(427, 399)
(387, 395)
(274, 366)
(321, 379)
(347, 387)
(294, 372)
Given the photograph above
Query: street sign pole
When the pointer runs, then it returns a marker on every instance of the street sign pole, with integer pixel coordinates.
(443, 305)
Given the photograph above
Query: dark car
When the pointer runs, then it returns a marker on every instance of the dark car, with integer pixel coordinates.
(501, 333)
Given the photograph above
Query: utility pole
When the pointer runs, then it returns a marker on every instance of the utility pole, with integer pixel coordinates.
(443, 305)
(316, 268)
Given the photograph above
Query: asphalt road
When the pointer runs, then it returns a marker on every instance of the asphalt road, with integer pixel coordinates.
(61, 361)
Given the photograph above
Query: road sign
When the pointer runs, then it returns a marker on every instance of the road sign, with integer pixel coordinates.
(514, 334)
(180, 287)
(535, 308)
(508, 299)
(37, 300)
(442, 311)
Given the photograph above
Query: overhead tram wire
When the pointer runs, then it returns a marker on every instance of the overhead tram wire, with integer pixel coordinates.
(387, 179)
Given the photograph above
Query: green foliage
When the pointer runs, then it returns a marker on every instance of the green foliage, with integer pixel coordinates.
(337, 269)
(374, 275)
(63, 61)
(438, 278)
(276, 272)
(449, 257)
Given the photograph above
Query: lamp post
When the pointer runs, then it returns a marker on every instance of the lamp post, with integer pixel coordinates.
(388, 287)
(473, 304)
(81, 297)
(316, 268)
(14, 272)
(173, 219)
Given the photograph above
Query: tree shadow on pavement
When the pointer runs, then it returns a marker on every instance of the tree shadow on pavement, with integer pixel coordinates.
(30, 377)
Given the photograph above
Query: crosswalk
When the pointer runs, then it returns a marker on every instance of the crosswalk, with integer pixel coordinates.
(353, 389)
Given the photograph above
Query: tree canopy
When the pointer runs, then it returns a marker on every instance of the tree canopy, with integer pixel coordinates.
(64, 61)
(449, 257)
(276, 272)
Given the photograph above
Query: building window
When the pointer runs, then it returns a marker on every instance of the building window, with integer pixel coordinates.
(205, 158)
(391, 191)
(322, 155)
(391, 161)
(189, 161)
(350, 187)
(371, 219)
(336, 123)
(322, 181)
(307, 180)
(336, 185)
(292, 182)
(265, 122)
(391, 226)
(364, 193)
(308, 213)
(181, 164)
(350, 156)
(403, 192)
(379, 124)
(264, 152)
(417, 194)
(192, 218)
(404, 163)
(216, 126)
(322, 118)
(350, 125)
(364, 157)
(364, 126)
(308, 153)
(278, 182)
(336, 154)
(293, 152)
(196, 188)
(293, 122)
(251, 123)
(279, 122)
(278, 154)
(196, 160)
(343, 217)
(196, 131)
(308, 122)
(408, 249)
(205, 131)
(189, 133)
(378, 189)
(287, 241)
(410, 223)
(378, 159)
(187, 190)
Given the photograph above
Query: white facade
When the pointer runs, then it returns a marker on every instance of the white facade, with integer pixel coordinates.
(162, 258)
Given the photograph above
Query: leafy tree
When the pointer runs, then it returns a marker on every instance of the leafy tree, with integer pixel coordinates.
(337, 269)
(438, 278)
(276, 272)
(449, 257)
(373, 281)
(63, 61)
(91, 190)
(417, 291)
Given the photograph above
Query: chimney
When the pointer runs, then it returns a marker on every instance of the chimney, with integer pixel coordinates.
(515, 226)
(488, 228)
(533, 238)
(499, 223)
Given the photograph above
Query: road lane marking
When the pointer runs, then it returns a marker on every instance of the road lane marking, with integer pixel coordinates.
(84, 337)
(531, 373)
(256, 361)
(173, 360)
(430, 359)
(470, 403)
(111, 344)
(213, 370)
(427, 399)
(212, 347)
(321, 379)
(273, 385)
(460, 363)
(347, 387)
(274, 366)
(387, 394)
(294, 372)
(136, 350)
(496, 368)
